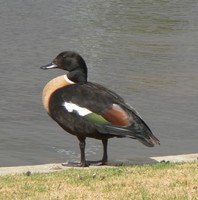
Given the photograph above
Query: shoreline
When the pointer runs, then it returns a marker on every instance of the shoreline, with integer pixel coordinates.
(54, 167)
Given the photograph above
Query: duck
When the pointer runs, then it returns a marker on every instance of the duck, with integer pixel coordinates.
(90, 110)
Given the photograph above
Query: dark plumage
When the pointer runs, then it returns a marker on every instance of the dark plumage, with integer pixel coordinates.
(87, 109)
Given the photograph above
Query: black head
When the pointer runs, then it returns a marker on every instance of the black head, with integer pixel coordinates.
(71, 62)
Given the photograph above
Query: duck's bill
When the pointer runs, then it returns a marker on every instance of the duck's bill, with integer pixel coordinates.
(49, 66)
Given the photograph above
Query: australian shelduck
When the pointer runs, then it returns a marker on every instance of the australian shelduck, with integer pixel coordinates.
(85, 109)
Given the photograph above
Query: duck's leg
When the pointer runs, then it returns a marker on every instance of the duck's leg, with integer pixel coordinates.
(83, 162)
(104, 158)
(82, 144)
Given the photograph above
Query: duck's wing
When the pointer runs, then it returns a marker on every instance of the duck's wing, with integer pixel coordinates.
(107, 111)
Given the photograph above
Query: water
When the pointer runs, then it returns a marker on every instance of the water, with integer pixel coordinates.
(144, 50)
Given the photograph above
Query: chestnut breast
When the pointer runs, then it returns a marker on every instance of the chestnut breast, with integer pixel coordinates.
(52, 86)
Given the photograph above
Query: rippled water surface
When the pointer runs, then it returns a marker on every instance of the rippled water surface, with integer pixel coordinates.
(144, 50)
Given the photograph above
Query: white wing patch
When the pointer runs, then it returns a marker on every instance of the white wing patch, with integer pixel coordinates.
(71, 107)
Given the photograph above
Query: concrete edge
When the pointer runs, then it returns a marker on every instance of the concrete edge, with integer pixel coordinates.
(53, 167)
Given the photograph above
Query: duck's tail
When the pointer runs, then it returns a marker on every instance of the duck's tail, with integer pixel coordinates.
(139, 131)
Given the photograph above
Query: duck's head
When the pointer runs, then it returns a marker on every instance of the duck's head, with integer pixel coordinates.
(71, 62)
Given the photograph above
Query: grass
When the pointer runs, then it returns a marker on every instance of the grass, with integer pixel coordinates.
(148, 182)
